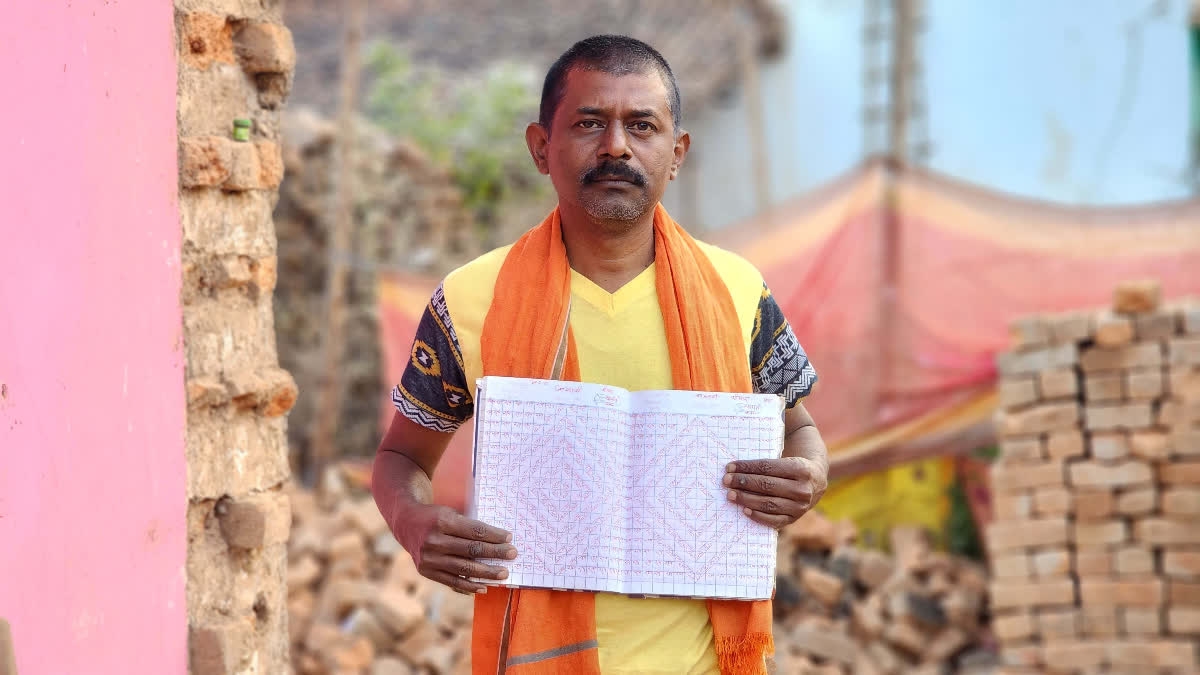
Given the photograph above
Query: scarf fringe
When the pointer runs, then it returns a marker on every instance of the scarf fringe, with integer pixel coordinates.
(744, 654)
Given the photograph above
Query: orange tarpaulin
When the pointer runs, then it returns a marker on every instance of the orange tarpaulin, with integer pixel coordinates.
(900, 285)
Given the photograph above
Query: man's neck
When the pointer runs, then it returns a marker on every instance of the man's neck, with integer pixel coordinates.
(610, 259)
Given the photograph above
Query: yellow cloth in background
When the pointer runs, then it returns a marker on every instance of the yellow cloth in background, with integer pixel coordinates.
(908, 494)
(621, 342)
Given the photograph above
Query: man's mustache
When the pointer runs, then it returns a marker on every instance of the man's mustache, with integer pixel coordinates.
(613, 171)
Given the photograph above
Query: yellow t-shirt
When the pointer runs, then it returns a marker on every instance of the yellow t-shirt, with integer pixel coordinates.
(620, 341)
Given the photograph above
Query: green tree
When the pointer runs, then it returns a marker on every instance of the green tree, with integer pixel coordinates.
(470, 124)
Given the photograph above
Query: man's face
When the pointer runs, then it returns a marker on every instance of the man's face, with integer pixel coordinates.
(612, 147)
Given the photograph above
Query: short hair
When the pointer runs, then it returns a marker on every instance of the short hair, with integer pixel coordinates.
(613, 54)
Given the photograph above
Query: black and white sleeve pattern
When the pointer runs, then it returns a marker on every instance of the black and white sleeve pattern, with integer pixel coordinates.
(778, 364)
(433, 389)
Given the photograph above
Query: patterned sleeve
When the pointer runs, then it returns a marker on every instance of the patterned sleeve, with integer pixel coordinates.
(433, 390)
(778, 364)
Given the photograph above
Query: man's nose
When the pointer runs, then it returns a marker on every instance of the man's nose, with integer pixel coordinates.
(615, 142)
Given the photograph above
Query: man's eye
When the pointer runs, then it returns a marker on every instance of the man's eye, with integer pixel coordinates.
(590, 124)
(643, 126)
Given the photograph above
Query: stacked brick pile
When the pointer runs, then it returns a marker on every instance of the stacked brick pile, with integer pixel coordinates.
(841, 609)
(355, 601)
(1095, 550)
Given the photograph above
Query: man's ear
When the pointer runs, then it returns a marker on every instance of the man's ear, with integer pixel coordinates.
(536, 137)
(681, 149)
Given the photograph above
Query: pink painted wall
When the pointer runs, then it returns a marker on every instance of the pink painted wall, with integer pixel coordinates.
(92, 476)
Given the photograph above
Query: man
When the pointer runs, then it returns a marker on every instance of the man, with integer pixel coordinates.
(608, 290)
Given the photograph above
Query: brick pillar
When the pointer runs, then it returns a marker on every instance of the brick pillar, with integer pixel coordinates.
(235, 62)
(1095, 550)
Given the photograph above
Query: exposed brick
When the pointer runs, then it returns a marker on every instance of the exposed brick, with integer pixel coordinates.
(1109, 446)
(1074, 656)
(1005, 536)
(1022, 449)
(874, 568)
(1058, 624)
(824, 586)
(259, 464)
(270, 165)
(1137, 502)
(1100, 533)
(826, 644)
(1013, 627)
(397, 610)
(1025, 476)
(1134, 560)
(1185, 441)
(1093, 562)
(1098, 621)
(1013, 594)
(1012, 506)
(243, 524)
(1021, 655)
(1058, 383)
(1189, 317)
(1180, 473)
(1141, 621)
(205, 161)
(203, 39)
(1182, 564)
(1155, 326)
(1138, 355)
(1070, 327)
(1054, 562)
(1040, 418)
(1010, 566)
(1184, 382)
(265, 48)
(1178, 412)
(1029, 332)
(1092, 504)
(214, 649)
(1129, 473)
(1030, 362)
(1152, 445)
(1104, 387)
(1144, 384)
(944, 645)
(244, 170)
(1184, 351)
(1110, 416)
(1153, 654)
(1113, 330)
(228, 223)
(1123, 593)
(1167, 532)
(1183, 620)
(1064, 445)
(1137, 296)
(1052, 501)
(271, 391)
(906, 637)
(1183, 593)
(1181, 502)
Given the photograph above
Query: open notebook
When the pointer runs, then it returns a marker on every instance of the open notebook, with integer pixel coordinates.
(607, 490)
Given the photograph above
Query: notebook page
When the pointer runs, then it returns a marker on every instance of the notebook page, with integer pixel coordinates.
(549, 460)
(685, 537)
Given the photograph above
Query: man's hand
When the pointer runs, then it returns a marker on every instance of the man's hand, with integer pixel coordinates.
(775, 492)
(446, 546)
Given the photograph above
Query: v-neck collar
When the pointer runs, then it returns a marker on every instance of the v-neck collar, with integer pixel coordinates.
(613, 303)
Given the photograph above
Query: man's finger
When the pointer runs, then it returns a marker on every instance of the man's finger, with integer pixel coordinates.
(464, 567)
(459, 584)
(768, 505)
(470, 548)
(769, 486)
(458, 525)
(767, 519)
(786, 467)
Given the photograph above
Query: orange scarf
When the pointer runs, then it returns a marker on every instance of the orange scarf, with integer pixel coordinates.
(555, 631)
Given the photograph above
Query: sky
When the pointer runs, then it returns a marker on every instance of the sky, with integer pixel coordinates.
(1071, 101)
